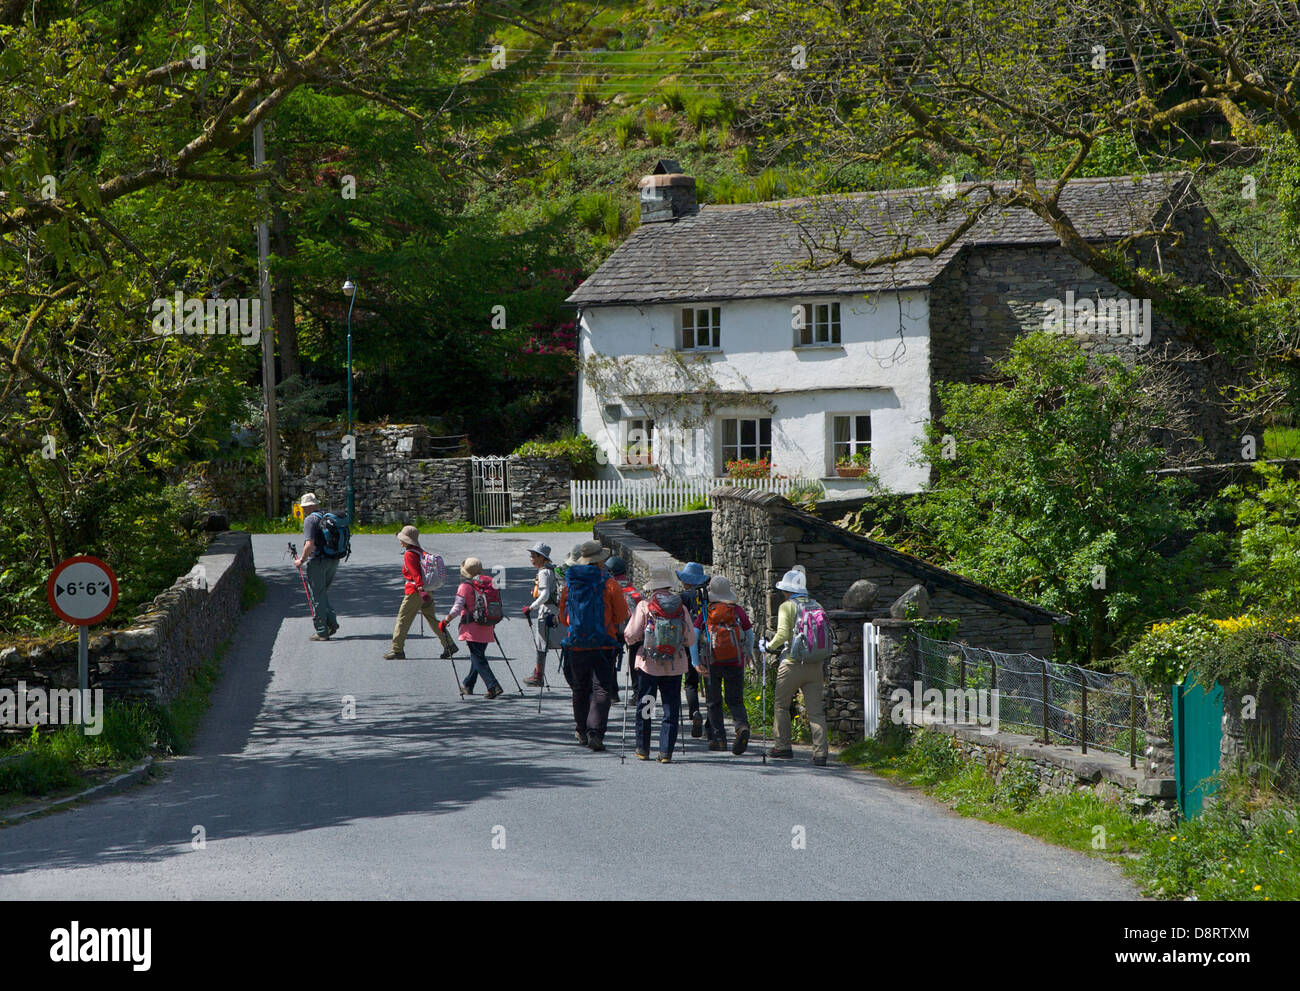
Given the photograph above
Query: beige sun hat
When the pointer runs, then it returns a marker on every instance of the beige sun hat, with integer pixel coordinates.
(470, 567)
(588, 552)
(409, 535)
(659, 578)
(309, 499)
(720, 590)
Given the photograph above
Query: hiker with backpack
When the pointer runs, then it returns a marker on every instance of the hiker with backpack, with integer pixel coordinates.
(804, 632)
(731, 642)
(665, 631)
(423, 572)
(617, 569)
(478, 604)
(326, 542)
(695, 594)
(593, 608)
(544, 607)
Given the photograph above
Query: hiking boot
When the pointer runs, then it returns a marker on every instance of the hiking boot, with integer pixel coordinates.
(643, 755)
(717, 744)
(595, 743)
(395, 655)
(465, 690)
(317, 636)
(534, 680)
(742, 740)
(665, 759)
(449, 651)
(580, 736)
(785, 754)
(697, 725)
(819, 760)
(333, 628)
(496, 691)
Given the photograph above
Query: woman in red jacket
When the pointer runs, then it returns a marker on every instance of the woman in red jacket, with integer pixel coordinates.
(418, 599)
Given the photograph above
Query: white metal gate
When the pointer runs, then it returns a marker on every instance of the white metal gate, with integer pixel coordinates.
(870, 703)
(491, 491)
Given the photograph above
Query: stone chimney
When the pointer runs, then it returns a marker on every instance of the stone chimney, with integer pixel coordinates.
(666, 194)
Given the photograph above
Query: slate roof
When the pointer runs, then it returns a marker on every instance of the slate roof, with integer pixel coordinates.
(754, 249)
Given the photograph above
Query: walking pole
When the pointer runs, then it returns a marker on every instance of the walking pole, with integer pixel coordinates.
(507, 660)
(293, 552)
(460, 685)
(762, 649)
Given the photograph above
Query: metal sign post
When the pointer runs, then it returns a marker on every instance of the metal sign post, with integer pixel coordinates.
(82, 591)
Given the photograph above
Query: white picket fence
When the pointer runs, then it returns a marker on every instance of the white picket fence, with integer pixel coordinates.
(667, 496)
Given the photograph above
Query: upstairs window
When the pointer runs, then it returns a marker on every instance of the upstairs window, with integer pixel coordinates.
(701, 328)
(817, 323)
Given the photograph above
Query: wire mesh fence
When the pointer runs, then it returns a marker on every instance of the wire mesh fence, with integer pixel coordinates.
(1291, 729)
(1056, 703)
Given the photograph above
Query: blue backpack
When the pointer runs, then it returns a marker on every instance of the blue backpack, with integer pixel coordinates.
(586, 606)
(338, 539)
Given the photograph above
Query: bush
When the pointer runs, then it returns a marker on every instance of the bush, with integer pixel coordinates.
(579, 450)
(660, 133)
(625, 129)
(1167, 651)
(673, 97)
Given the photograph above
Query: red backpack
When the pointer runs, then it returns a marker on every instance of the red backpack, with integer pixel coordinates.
(487, 602)
(725, 634)
(632, 597)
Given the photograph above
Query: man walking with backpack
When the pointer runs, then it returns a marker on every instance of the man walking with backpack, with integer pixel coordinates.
(731, 641)
(593, 608)
(325, 544)
(545, 596)
(417, 600)
(803, 628)
(695, 593)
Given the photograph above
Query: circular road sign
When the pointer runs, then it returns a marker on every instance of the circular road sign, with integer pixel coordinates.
(82, 590)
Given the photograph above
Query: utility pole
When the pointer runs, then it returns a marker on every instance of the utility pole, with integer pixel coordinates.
(270, 426)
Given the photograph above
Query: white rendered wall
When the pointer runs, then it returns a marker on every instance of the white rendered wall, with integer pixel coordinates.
(881, 367)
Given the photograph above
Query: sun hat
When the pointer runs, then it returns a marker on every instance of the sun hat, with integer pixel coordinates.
(541, 550)
(308, 499)
(794, 581)
(409, 535)
(616, 565)
(588, 552)
(659, 578)
(720, 590)
(693, 574)
(470, 567)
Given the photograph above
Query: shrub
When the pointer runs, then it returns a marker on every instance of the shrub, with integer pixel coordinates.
(586, 94)
(659, 132)
(673, 97)
(593, 211)
(1166, 652)
(625, 129)
(579, 450)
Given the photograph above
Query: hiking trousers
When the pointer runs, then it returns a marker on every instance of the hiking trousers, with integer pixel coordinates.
(726, 681)
(592, 674)
(478, 667)
(320, 575)
(406, 613)
(692, 681)
(792, 676)
(669, 688)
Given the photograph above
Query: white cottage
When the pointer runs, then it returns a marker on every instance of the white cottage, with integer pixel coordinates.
(707, 337)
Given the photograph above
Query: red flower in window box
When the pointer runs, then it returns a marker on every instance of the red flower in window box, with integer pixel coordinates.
(743, 468)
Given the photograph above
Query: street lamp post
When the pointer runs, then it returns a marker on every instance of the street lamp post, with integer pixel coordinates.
(350, 291)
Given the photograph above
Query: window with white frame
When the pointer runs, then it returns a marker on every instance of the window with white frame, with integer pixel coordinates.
(746, 439)
(851, 437)
(701, 327)
(638, 441)
(817, 323)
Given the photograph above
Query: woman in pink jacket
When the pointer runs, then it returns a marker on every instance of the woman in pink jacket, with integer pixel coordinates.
(477, 635)
(662, 632)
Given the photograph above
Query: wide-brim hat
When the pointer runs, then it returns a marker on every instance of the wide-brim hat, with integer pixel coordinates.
(693, 574)
(659, 578)
(720, 590)
(794, 582)
(308, 499)
(541, 550)
(409, 535)
(587, 552)
(616, 565)
(471, 567)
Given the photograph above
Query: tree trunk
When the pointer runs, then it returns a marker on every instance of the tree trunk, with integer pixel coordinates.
(282, 308)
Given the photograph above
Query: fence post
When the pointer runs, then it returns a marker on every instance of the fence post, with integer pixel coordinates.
(1083, 732)
(1046, 737)
(961, 669)
(1132, 724)
(994, 661)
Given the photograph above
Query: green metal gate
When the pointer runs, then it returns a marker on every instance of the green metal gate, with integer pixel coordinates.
(1198, 729)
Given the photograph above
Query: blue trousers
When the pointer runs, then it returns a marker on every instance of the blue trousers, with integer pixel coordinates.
(669, 689)
(478, 667)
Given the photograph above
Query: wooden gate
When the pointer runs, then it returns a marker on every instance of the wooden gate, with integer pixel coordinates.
(1198, 731)
(491, 491)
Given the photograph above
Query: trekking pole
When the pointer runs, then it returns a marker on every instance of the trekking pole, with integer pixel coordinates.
(762, 649)
(460, 685)
(507, 660)
(293, 553)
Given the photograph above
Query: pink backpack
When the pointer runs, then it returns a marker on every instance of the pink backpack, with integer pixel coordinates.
(812, 632)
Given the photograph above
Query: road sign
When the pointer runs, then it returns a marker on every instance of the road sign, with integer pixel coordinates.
(82, 590)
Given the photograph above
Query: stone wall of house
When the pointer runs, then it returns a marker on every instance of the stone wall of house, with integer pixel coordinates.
(153, 655)
(757, 537)
(398, 479)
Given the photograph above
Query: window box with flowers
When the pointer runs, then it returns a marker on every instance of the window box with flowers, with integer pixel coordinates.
(744, 468)
(853, 467)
